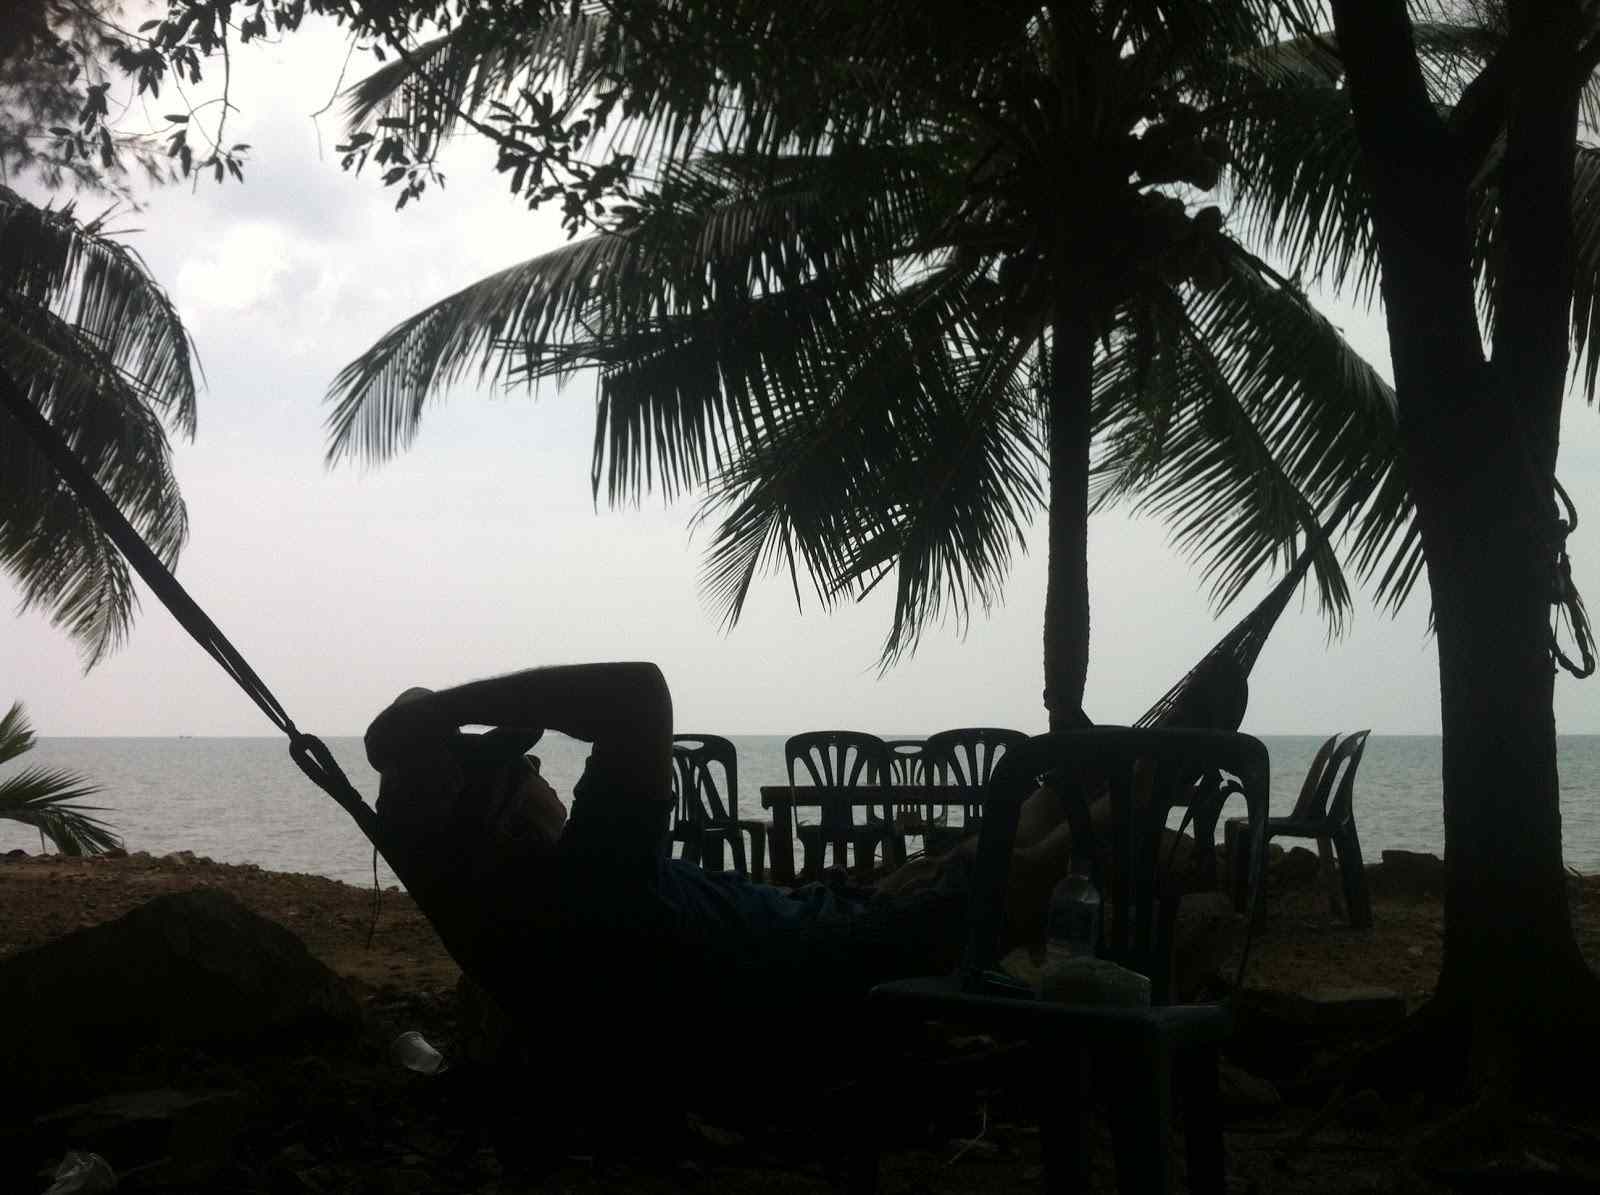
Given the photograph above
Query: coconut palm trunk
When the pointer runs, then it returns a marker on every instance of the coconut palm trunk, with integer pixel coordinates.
(1066, 602)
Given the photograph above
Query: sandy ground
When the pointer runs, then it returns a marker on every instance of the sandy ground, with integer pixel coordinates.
(404, 979)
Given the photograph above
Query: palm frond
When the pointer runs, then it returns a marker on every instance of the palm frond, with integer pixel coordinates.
(914, 456)
(1586, 264)
(47, 798)
(1296, 186)
(719, 237)
(1306, 58)
(16, 736)
(435, 86)
(74, 271)
(61, 558)
(92, 342)
(1275, 428)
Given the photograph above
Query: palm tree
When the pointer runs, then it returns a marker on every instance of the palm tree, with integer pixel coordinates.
(89, 339)
(46, 799)
(884, 340)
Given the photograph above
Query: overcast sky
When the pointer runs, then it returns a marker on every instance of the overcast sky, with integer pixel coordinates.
(481, 550)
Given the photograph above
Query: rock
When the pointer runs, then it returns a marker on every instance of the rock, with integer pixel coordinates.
(1298, 868)
(191, 1132)
(296, 1155)
(1276, 1033)
(1245, 1093)
(195, 969)
(485, 1034)
(115, 852)
(16, 853)
(181, 858)
(83, 1173)
(1348, 1008)
(1364, 1111)
(1410, 875)
(1206, 933)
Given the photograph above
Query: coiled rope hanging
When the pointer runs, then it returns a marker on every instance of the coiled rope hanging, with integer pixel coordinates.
(1564, 595)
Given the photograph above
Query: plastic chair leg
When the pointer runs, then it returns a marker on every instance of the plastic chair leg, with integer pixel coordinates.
(1205, 842)
(736, 844)
(711, 854)
(758, 853)
(1325, 876)
(1235, 842)
(1064, 1123)
(1354, 876)
(841, 852)
(810, 860)
(1141, 1122)
(1196, 1074)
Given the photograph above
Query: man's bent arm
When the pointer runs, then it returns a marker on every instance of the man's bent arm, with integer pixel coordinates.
(623, 709)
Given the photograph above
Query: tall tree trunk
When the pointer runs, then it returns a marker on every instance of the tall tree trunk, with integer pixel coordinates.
(1066, 600)
(1478, 442)
(1510, 959)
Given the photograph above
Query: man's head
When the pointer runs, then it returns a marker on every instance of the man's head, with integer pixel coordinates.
(439, 766)
(524, 803)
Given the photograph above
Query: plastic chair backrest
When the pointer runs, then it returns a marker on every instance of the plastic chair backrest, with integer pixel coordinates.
(1141, 775)
(1349, 754)
(687, 808)
(721, 803)
(972, 753)
(838, 759)
(908, 759)
(968, 757)
(1313, 799)
(1335, 763)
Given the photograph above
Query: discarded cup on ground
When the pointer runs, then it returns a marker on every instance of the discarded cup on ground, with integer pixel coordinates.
(82, 1173)
(412, 1051)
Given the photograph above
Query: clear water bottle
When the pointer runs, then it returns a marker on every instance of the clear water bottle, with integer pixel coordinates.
(1072, 925)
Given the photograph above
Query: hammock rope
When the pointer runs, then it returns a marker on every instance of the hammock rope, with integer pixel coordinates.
(310, 754)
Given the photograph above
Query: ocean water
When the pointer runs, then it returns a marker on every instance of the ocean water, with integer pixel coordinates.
(243, 800)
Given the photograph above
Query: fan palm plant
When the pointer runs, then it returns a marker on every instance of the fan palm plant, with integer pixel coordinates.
(883, 339)
(90, 339)
(48, 799)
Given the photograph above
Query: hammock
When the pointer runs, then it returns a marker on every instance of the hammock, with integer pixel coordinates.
(1240, 646)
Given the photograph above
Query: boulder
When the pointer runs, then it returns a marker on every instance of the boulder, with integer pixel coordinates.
(1205, 938)
(1409, 875)
(1245, 1094)
(191, 1133)
(192, 969)
(1277, 1033)
(1298, 868)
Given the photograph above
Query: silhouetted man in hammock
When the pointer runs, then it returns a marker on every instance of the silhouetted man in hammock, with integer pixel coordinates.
(588, 906)
(520, 891)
